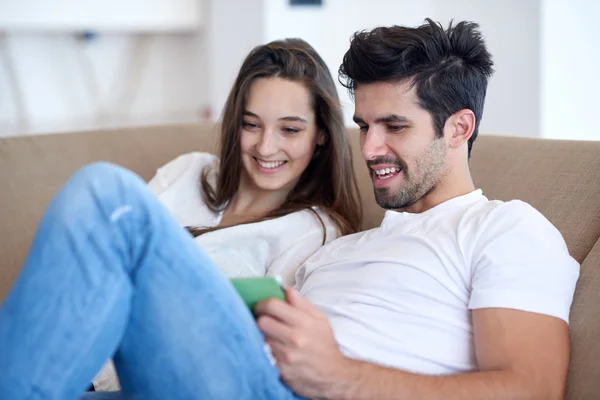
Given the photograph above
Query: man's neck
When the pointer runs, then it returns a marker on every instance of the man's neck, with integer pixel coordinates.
(452, 186)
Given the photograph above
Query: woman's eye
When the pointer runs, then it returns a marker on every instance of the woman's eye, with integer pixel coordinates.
(249, 125)
(291, 131)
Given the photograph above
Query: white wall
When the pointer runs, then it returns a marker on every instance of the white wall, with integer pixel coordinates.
(511, 29)
(570, 69)
(65, 84)
(148, 71)
(234, 27)
(128, 15)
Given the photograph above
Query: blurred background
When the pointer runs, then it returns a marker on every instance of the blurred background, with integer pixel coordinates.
(76, 65)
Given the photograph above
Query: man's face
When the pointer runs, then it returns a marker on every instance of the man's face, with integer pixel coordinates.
(406, 158)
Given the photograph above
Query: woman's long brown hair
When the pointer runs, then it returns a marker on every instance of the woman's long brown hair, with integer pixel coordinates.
(328, 182)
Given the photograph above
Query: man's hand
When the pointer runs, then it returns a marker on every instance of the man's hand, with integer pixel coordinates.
(302, 343)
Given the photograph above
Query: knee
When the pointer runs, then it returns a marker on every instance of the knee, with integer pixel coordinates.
(104, 177)
(99, 184)
(95, 194)
(100, 171)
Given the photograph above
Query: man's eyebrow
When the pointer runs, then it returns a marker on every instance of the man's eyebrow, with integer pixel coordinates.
(358, 119)
(393, 118)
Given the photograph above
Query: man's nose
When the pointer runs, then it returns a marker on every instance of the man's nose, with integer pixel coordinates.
(373, 144)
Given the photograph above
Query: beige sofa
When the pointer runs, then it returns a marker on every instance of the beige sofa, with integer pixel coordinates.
(559, 178)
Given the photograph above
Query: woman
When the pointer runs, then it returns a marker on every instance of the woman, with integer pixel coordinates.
(283, 187)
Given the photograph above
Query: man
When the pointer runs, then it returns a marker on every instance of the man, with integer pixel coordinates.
(453, 296)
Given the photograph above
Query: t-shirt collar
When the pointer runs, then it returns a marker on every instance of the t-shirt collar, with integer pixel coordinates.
(460, 201)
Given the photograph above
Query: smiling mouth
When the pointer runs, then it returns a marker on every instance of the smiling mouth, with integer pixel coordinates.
(269, 164)
(386, 173)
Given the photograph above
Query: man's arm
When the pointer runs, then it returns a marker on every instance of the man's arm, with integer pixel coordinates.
(521, 355)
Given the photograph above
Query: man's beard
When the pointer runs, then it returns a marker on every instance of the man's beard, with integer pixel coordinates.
(418, 181)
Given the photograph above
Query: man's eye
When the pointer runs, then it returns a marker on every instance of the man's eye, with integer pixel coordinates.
(363, 129)
(395, 128)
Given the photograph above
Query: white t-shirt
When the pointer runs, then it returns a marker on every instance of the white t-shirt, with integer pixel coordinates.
(400, 295)
(273, 247)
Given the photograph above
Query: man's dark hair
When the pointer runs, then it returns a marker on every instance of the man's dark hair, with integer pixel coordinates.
(450, 68)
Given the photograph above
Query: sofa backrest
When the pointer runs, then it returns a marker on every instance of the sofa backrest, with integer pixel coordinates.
(560, 178)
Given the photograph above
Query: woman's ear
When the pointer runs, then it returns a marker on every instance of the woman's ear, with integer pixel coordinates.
(321, 140)
(321, 137)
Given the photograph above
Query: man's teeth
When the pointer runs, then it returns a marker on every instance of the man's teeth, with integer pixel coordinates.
(386, 171)
(270, 164)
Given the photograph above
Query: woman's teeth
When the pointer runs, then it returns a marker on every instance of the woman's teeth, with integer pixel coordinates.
(270, 164)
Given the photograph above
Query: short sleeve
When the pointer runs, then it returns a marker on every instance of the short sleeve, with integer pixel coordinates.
(187, 164)
(520, 261)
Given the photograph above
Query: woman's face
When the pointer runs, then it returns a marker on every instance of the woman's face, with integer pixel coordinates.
(279, 134)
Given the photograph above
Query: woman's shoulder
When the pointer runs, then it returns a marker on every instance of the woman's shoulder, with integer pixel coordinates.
(310, 222)
(189, 161)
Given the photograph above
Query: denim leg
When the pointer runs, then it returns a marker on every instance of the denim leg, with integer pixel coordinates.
(110, 273)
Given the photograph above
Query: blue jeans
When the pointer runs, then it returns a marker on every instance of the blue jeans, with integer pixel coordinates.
(111, 274)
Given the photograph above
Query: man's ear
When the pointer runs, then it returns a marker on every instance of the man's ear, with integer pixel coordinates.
(459, 128)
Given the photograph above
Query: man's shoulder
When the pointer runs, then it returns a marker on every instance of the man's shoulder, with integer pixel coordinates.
(513, 213)
(492, 220)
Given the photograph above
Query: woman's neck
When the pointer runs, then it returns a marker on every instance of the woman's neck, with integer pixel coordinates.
(251, 203)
